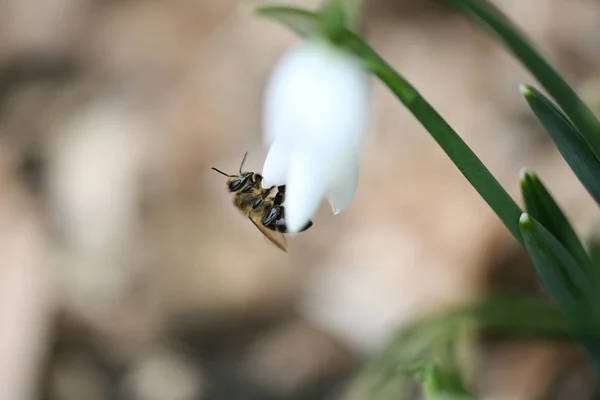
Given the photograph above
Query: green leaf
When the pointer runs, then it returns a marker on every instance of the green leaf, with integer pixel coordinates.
(304, 23)
(567, 284)
(444, 383)
(354, 12)
(571, 286)
(334, 19)
(512, 315)
(594, 249)
(574, 150)
(492, 19)
(564, 278)
(441, 382)
(426, 341)
(540, 204)
(460, 154)
(593, 246)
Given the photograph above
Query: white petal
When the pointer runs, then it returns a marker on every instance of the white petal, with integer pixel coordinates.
(305, 189)
(315, 115)
(275, 119)
(317, 92)
(276, 165)
(342, 187)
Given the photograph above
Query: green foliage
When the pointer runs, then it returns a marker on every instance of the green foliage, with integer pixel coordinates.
(441, 382)
(562, 275)
(304, 23)
(540, 204)
(428, 349)
(334, 20)
(567, 284)
(568, 140)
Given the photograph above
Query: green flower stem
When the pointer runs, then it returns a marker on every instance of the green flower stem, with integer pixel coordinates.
(354, 10)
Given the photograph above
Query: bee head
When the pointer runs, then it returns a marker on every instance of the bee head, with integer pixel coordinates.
(237, 182)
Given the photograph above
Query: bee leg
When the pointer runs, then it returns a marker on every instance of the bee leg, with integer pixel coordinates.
(271, 216)
(259, 201)
(280, 196)
(308, 225)
(280, 226)
(267, 192)
(278, 223)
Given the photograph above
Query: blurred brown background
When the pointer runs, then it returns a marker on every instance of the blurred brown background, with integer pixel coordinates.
(125, 271)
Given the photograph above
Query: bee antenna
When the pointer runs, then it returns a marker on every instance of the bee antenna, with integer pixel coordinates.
(243, 160)
(221, 172)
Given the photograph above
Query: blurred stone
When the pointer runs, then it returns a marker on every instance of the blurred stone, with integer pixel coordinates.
(223, 266)
(402, 9)
(382, 279)
(76, 377)
(93, 177)
(49, 29)
(564, 30)
(295, 356)
(534, 371)
(144, 45)
(93, 186)
(164, 374)
(589, 91)
(27, 302)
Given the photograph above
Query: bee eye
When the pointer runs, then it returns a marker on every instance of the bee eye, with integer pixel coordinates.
(238, 183)
(235, 185)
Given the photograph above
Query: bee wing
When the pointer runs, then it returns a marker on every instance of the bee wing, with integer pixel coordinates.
(274, 237)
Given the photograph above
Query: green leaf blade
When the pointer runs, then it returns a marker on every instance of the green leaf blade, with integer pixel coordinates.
(444, 382)
(492, 19)
(567, 284)
(567, 139)
(562, 276)
(304, 23)
(425, 342)
(541, 205)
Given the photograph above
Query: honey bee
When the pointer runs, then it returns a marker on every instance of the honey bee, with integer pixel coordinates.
(265, 210)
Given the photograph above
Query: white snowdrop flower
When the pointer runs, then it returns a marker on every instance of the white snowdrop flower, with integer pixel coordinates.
(316, 112)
